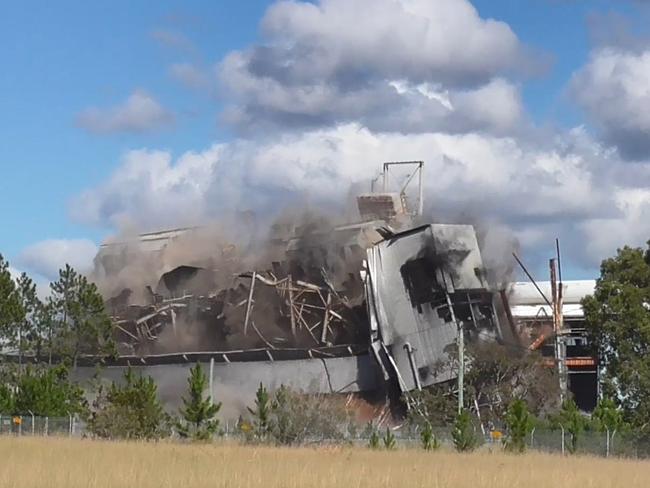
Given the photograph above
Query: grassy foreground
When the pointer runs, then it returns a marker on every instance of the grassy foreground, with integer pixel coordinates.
(66, 463)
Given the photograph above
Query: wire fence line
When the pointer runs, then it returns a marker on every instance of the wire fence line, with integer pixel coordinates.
(26, 425)
(545, 440)
(540, 439)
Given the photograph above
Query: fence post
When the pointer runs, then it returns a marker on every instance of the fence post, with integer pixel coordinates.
(562, 430)
(32, 414)
(20, 426)
(532, 438)
(47, 425)
(69, 425)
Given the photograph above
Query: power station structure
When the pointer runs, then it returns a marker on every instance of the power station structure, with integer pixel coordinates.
(373, 307)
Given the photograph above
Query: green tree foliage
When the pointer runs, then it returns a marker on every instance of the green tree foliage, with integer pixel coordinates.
(428, 439)
(46, 392)
(199, 420)
(297, 418)
(42, 341)
(519, 423)
(618, 321)
(130, 410)
(373, 438)
(81, 324)
(6, 390)
(289, 417)
(495, 376)
(608, 418)
(261, 414)
(572, 421)
(286, 429)
(6, 400)
(10, 309)
(26, 329)
(463, 434)
(389, 440)
(498, 375)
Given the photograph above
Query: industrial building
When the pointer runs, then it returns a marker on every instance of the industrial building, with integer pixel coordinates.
(373, 307)
(533, 318)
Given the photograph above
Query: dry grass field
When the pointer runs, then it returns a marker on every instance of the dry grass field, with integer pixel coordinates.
(65, 463)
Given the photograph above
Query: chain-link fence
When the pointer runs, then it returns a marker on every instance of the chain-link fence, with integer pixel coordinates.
(552, 441)
(621, 444)
(40, 426)
(556, 441)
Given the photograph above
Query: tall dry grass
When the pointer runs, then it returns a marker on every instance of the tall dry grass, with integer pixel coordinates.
(66, 463)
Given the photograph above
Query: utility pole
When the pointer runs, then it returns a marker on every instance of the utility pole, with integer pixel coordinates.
(461, 366)
(421, 190)
(558, 326)
(461, 353)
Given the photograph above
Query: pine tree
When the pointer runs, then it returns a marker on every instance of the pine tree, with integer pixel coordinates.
(608, 418)
(43, 333)
(572, 421)
(428, 439)
(261, 414)
(82, 324)
(30, 307)
(11, 312)
(373, 439)
(285, 420)
(389, 440)
(199, 422)
(463, 433)
(520, 424)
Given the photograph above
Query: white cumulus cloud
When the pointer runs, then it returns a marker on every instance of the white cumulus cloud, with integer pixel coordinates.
(376, 62)
(567, 186)
(45, 258)
(613, 90)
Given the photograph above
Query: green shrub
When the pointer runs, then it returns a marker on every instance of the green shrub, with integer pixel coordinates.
(520, 423)
(463, 433)
(389, 440)
(199, 420)
(129, 411)
(429, 441)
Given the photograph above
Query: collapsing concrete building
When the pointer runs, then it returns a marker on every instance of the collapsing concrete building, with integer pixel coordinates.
(422, 285)
(374, 306)
(389, 329)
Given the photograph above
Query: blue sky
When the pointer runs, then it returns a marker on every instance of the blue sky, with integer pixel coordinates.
(62, 58)
(60, 62)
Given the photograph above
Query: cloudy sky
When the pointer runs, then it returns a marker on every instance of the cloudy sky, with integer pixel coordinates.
(532, 120)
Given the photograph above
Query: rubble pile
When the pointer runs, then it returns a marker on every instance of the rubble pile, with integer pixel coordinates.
(313, 298)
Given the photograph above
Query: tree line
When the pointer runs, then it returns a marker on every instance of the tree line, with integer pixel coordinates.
(69, 322)
(131, 409)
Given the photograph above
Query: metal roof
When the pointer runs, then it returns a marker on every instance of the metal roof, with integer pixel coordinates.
(524, 292)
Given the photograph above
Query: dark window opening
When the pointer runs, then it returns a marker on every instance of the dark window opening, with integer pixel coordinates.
(419, 277)
(584, 386)
(424, 372)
